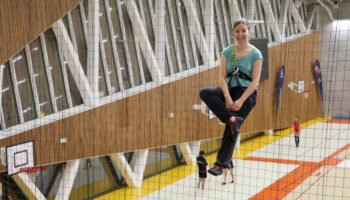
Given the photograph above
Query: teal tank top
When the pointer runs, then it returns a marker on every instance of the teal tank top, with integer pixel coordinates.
(245, 65)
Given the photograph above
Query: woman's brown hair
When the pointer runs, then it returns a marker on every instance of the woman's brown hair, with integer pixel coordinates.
(241, 21)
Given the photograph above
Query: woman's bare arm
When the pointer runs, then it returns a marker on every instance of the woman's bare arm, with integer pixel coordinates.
(252, 86)
(223, 84)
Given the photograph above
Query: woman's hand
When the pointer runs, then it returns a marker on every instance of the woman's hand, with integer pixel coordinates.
(229, 103)
(237, 105)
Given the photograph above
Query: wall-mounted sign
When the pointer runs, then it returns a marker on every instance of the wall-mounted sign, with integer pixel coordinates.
(301, 86)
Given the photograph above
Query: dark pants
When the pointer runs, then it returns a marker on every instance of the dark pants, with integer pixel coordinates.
(296, 140)
(215, 100)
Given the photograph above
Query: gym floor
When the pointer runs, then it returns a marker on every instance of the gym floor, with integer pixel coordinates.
(266, 167)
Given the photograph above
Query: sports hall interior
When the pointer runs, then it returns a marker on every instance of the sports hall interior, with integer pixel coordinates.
(100, 99)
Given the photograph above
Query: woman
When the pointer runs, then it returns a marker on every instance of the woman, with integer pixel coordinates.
(296, 130)
(236, 96)
(230, 167)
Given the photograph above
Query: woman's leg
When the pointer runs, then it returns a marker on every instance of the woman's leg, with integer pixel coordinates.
(214, 98)
(232, 176)
(203, 183)
(298, 141)
(228, 143)
(225, 176)
(229, 140)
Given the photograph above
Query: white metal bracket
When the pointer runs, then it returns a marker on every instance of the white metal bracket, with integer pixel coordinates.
(27, 185)
(190, 152)
(133, 173)
(66, 184)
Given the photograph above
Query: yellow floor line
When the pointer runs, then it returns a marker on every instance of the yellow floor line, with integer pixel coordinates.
(161, 180)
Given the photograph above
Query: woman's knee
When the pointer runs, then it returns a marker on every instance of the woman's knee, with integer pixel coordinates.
(203, 93)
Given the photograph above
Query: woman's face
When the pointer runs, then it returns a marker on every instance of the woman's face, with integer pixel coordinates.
(242, 33)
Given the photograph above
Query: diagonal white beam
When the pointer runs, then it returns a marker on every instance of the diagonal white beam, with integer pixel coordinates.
(274, 7)
(328, 10)
(184, 40)
(310, 18)
(190, 152)
(114, 47)
(28, 186)
(240, 5)
(70, 54)
(271, 21)
(65, 79)
(159, 34)
(258, 26)
(210, 27)
(219, 22)
(173, 30)
(168, 53)
(227, 23)
(142, 10)
(290, 25)
(32, 81)
(48, 72)
(302, 11)
(2, 120)
(196, 30)
(137, 45)
(71, 29)
(261, 16)
(66, 184)
(92, 46)
(126, 171)
(194, 49)
(333, 4)
(297, 19)
(250, 14)
(237, 12)
(104, 65)
(141, 34)
(138, 165)
(318, 18)
(139, 61)
(282, 21)
(16, 91)
(84, 21)
(125, 42)
(250, 10)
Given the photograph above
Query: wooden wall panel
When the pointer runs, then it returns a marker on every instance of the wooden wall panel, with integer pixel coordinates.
(21, 21)
(165, 115)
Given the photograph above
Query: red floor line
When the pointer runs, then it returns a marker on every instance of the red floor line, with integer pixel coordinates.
(282, 187)
(319, 178)
(339, 151)
(277, 160)
(339, 121)
(286, 184)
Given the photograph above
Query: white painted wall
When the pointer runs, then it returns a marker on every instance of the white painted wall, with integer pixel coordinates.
(335, 63)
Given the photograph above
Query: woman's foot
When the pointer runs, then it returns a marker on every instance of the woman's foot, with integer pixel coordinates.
(215, 170)
(232, 181)
(223, 183)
